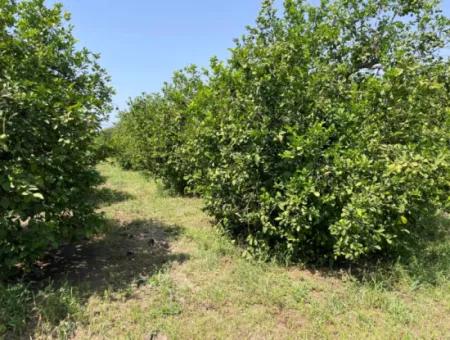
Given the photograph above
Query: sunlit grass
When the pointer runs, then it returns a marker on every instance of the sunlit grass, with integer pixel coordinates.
(201, 286)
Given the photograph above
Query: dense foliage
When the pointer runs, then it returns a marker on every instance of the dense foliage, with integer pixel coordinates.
(103, 144)
(154, 133)
(325, 135)
(52, 100)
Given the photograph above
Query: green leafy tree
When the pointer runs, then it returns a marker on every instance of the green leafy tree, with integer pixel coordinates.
(333, 128)
(52, 100)
(135, 137)
(103, 144)
(153, 134)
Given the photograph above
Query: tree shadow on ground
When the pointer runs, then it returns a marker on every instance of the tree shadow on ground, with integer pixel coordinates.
(126, 254)
(103, 196)
(424, 259)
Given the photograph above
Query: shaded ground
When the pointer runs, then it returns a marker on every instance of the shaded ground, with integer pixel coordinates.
(128, 252)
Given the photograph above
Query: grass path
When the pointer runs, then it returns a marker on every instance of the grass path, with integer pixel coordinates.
(163, 272)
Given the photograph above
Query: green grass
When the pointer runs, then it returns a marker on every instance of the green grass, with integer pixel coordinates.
(161, 269)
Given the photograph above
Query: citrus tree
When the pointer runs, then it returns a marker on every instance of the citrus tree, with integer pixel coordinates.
(333, 128)
(53, 97)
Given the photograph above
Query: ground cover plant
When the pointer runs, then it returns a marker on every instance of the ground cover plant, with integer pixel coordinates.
(161, 270)
(52, 99)
(324, 137)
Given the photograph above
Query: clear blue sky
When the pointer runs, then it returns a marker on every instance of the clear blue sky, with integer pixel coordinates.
(142, 42)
